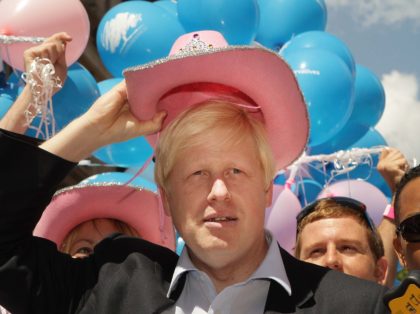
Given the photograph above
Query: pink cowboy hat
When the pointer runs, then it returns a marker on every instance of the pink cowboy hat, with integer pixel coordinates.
(202, 66)
(135, 206)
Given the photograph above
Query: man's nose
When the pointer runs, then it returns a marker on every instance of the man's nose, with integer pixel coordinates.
(219, 191)
(333, 259)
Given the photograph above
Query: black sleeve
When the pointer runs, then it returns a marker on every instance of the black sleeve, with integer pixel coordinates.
(29, 266)
(28, 179)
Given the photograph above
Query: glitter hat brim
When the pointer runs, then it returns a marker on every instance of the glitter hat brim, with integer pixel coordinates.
(259, 73)
(135, 206)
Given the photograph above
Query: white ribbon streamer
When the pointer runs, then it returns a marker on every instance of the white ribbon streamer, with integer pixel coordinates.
(343, 161)
(42, 81)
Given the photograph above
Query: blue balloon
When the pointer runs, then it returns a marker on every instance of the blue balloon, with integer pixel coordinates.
(320, 40)
(105, 85)
(15, 78)
(280, 179)
(368, 106)
(369, 98)
(237, 20)
(135, 32)
(77, 95)
(14, 83)
(347, 136)
(280, 20)
(7, 98)
(131, 153)
(169, 5)
(308, 190)
(370, 139)
(327, 85)
(120, 178)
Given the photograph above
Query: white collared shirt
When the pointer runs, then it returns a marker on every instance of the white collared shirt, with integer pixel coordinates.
(249, 297)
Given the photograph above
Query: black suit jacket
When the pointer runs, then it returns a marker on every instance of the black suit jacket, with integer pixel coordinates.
(124, 275)
(317, 289)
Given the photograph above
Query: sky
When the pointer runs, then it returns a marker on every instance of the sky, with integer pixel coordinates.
(384, 36)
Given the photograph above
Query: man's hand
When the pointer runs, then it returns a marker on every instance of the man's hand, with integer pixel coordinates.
(112, 120)
(109, 120)
(392, 165)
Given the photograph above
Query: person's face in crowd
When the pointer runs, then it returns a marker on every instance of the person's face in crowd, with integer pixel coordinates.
(88, 235)
(341, 244)
(217, 195)
(409, 252)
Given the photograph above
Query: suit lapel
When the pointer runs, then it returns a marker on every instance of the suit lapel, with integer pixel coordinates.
(303, 282)
(278, 301)
(175, 294)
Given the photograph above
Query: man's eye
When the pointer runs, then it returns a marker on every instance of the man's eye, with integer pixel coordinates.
(198, 173)
(349, 249)
(236, 171)
(316, 253)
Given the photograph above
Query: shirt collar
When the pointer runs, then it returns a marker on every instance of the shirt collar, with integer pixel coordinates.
(272, 267)
(184, 265)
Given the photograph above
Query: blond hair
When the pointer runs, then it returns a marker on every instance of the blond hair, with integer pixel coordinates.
(187, 131)
(119, 225)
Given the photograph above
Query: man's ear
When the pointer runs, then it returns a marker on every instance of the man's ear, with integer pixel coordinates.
(269, 195)
(164, 199)
(381, 270)
(398, 249)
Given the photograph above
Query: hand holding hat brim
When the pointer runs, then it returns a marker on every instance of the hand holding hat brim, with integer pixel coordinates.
(109, 120)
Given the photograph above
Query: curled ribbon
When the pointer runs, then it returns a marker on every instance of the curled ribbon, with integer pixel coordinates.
(42, 81)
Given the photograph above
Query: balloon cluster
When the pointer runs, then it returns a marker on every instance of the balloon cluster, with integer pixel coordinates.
(345, 100)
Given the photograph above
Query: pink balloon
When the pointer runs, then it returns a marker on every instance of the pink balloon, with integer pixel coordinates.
(282, 219)
(277, 189)
(42, 18)
(362, 191)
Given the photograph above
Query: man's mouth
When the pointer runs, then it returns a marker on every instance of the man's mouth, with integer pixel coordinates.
(220, 219)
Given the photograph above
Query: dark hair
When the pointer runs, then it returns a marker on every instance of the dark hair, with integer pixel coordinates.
(410, 175)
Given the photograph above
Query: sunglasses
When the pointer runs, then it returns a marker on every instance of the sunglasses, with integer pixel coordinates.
(340, 200)
(409, 228)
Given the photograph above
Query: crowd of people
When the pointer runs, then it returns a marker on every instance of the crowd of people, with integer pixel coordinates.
(227, 119)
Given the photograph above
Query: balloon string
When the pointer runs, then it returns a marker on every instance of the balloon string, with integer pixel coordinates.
(162, 214)
(302, 187)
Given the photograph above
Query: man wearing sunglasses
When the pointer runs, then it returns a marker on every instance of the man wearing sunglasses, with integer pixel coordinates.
(337, 233)
(407, 219)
